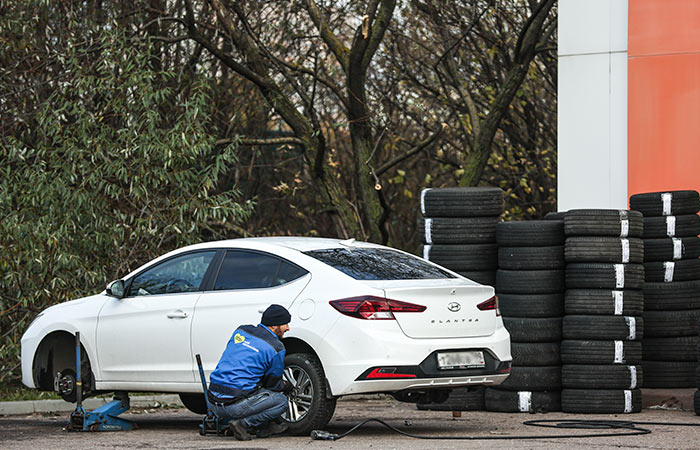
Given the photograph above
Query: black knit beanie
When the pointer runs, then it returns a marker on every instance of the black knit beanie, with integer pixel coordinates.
(276, 315)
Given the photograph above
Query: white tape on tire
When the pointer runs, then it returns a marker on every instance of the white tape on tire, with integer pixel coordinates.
(426, 252)
(671, 226)
(632, 325)
(624, 223)
(524, 401)
(429, 231)
(619, 276)
(677, 248)
(625, 250)
(619, 352)
(633, 376)
(628, 401)
(666, 198)
(618, 298)
(669, 266)
(422, 200)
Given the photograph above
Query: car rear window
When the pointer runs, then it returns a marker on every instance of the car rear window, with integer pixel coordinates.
(378, 264)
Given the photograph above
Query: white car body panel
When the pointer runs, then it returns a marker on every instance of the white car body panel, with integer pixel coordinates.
(134, 346)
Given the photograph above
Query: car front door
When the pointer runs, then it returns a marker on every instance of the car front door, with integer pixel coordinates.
(245, 285)
(145, 336)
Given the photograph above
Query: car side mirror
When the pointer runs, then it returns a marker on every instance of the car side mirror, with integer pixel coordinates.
(116, 289)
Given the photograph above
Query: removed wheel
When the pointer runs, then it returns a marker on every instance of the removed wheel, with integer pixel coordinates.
(309, 407)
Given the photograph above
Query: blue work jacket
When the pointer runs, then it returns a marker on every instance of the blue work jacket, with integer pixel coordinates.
(253, 358)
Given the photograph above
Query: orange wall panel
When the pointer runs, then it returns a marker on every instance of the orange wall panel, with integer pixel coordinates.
(663, 26)
(663, 142)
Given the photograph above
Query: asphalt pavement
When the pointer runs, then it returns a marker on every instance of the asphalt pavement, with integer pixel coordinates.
(166, 427)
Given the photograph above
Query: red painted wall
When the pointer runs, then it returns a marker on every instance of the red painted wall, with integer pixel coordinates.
(663, 95)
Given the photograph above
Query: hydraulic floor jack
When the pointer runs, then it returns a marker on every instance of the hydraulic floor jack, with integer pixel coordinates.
(103, 418)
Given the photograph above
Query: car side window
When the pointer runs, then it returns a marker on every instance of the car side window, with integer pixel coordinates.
(181, 274)
(253, 270)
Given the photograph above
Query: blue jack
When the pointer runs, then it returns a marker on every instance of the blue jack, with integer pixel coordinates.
(103, 418)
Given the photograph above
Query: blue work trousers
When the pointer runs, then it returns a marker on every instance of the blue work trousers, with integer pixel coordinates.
(257, 409)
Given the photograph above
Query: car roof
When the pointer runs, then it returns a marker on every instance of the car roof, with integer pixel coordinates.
(300, 243)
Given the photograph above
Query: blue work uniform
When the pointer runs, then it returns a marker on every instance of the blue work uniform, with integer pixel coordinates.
(247, 382)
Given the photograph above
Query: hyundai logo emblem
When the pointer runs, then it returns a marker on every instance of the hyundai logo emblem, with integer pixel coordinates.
(453, 306)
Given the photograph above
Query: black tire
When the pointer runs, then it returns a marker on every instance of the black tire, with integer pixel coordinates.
(604, 249)
(463, 257)
(696, 403)
(600, 401)
(531, 305)
(624, 328)
(672, 296)
(321, 407)
(603, 302)
(462, 202)
(528, 378)
(529, 281)
(531, 258)
(667, 271)
(669, 374)
(487, 277)
(535, 353)
(601, 352)
(603, 222)
(458, 230)
(533, 330)
(530, 233)
(604, 276)
(671, 249)
(497, 400)
(671, 323)
(194, 402)
(681, 348)
(556, 216)
(601, 376)
(460, 399)
(671, 226)
(679, 203)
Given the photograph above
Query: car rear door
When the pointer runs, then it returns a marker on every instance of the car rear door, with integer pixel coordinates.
(145, 336)
(244, 285)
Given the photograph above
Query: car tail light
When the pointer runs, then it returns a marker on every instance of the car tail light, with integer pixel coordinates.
(490, 304)
(374, 308)
(387, 372)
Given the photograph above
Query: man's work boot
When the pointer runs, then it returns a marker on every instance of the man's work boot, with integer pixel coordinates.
(271, 428)
(239, 430)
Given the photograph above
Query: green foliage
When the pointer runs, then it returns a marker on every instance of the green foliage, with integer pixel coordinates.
(120, 167)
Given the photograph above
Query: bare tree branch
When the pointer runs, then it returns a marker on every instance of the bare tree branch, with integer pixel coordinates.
(422, 145)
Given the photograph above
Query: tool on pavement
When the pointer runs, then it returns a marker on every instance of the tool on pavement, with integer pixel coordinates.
(103, 418)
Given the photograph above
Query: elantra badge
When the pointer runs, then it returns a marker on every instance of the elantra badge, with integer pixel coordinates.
(454, 306)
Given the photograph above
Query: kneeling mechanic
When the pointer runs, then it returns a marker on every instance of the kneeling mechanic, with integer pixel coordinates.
(246, 388)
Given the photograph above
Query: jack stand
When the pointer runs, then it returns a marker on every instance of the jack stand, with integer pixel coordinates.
(103, 418)
(210, 423)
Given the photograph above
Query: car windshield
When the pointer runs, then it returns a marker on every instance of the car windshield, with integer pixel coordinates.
(378, 264)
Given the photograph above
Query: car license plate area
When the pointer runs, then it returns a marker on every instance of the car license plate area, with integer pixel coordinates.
(460, 360)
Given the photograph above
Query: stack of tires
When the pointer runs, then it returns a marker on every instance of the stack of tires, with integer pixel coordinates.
(672, 288)
(601, 352)
(530, 288)
(696, 396)
(458, 231)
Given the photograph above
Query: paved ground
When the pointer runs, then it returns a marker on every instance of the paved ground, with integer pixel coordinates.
(177, 428)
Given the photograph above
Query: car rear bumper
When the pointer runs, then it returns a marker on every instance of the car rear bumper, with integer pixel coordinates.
(351, 350)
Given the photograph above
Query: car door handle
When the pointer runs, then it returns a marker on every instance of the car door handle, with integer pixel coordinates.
(177, 314)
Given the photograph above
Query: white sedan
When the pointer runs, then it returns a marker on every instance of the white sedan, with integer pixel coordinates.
(365, 318)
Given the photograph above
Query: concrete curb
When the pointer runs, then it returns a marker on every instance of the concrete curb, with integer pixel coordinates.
(50, 406)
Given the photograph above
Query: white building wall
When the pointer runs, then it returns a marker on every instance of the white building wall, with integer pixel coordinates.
(592, 104)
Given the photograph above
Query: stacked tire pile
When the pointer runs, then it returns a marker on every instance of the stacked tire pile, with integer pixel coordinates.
(458, 231)
(696, 396)
(602, 327)
(672, 287)
(530, 288)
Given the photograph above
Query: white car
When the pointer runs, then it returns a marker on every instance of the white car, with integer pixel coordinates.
(365, 318)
